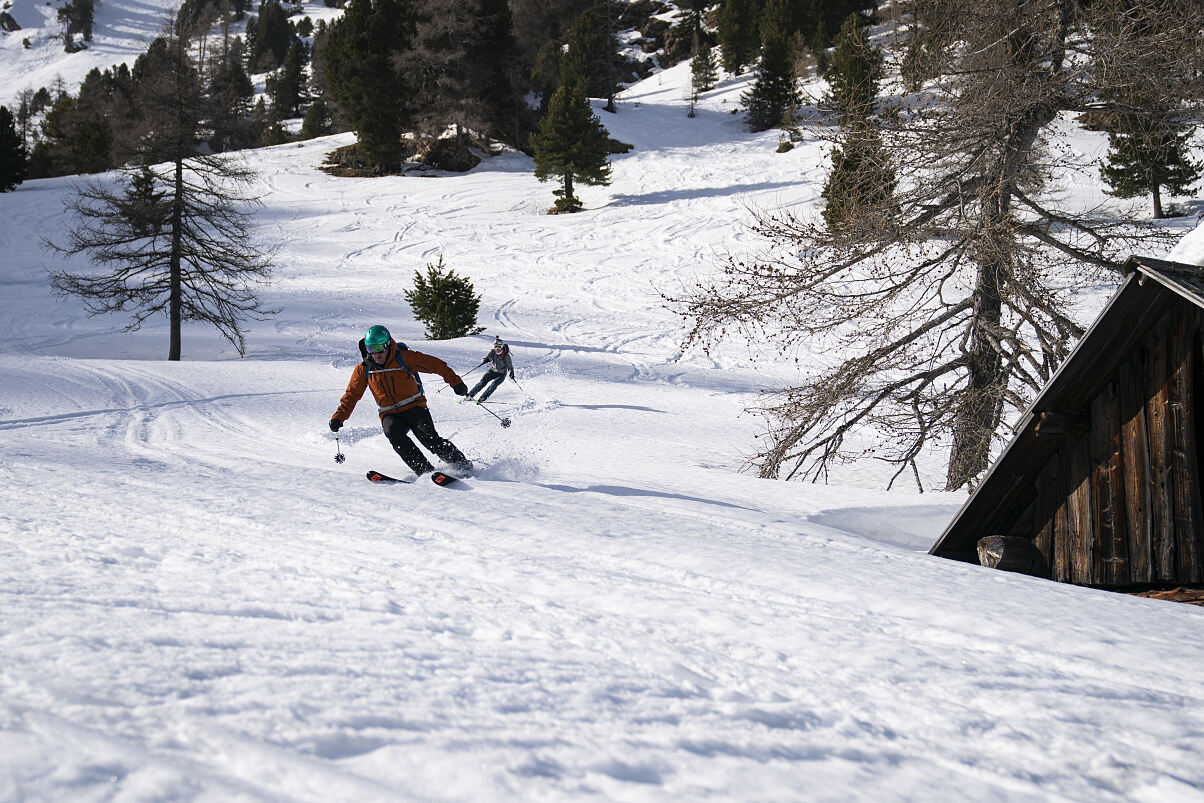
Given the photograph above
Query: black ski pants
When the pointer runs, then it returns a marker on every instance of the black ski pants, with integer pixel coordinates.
(417, 419)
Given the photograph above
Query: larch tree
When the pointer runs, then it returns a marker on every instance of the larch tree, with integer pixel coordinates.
(942, 319)
(174, 236)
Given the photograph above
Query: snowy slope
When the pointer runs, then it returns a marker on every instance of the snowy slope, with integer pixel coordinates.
(121, 32)
(198, 603)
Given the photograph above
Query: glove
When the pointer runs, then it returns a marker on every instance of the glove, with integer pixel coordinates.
(512, 376)
(484, 361)
(335, 424)
(460, 389)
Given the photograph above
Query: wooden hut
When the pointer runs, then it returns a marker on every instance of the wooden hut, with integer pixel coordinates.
(1101, 484)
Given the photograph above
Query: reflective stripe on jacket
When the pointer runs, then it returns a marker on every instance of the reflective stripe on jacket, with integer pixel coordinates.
(395, 383)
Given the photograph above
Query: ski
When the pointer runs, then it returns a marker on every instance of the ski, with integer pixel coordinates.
(376, 476)
(437, 477)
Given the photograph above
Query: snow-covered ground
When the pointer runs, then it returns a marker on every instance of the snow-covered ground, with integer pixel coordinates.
(198, 603)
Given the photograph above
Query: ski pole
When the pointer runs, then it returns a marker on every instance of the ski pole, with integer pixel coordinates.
(339, 457)
(505, 421)
(440, 390)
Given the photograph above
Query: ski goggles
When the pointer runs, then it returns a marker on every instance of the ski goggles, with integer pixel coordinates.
(377, 349)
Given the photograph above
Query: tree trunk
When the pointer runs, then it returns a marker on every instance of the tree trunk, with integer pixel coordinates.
(1156, 194)
(568, 187)
(979, 410)
(175, 299)
(976, 417)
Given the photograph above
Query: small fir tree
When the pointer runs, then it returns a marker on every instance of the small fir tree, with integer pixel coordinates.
(571, 144)
(862, 182)
(12, 153)
(444, 302)
(853, 73)
(774, 95)
(704, 72)
(1147, 152)
(317, 121)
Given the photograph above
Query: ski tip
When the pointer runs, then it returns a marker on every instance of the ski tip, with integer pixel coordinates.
(439, 478)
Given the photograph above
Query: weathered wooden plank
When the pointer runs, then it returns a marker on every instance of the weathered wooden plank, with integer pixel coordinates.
(1045, 506)
(1079, 513)
(1185, 492)
(1135, 465)
(1158, 421)
(1109, 565)
(1061, 546)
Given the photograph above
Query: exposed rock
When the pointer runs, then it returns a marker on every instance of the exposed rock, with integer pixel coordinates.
(635, 14)
(7, 23)
(450, 155)
(617, 146)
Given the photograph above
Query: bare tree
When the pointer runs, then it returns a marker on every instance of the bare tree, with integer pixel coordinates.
(953, 295)
(173, 238)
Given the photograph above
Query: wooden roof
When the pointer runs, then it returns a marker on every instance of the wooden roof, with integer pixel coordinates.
(1150, 288)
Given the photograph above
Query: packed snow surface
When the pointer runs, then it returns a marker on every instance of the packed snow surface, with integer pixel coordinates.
(198, 603)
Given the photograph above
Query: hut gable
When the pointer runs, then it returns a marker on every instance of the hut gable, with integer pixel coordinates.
(1101, 484)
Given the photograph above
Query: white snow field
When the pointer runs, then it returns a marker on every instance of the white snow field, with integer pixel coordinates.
(198, 603)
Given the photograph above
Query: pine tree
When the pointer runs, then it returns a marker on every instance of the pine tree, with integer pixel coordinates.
(1147, 152)
(230, 91)
(273, 37)
(591, 56)
(12, 153)
(286, 85)
(363, 75)
(444, 302)
(738, 34)
(691, 20)
(774, 95)
(571, 144)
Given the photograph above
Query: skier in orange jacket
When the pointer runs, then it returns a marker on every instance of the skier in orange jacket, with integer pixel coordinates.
(391, 372)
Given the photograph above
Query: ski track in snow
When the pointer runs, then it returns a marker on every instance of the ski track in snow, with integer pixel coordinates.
(199, 604)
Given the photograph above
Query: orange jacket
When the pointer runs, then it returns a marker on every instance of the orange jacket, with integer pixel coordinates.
(395, 383)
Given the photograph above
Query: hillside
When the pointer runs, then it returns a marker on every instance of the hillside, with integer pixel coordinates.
(200, 604)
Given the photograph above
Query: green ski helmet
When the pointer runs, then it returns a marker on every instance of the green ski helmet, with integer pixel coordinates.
(376, 338)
